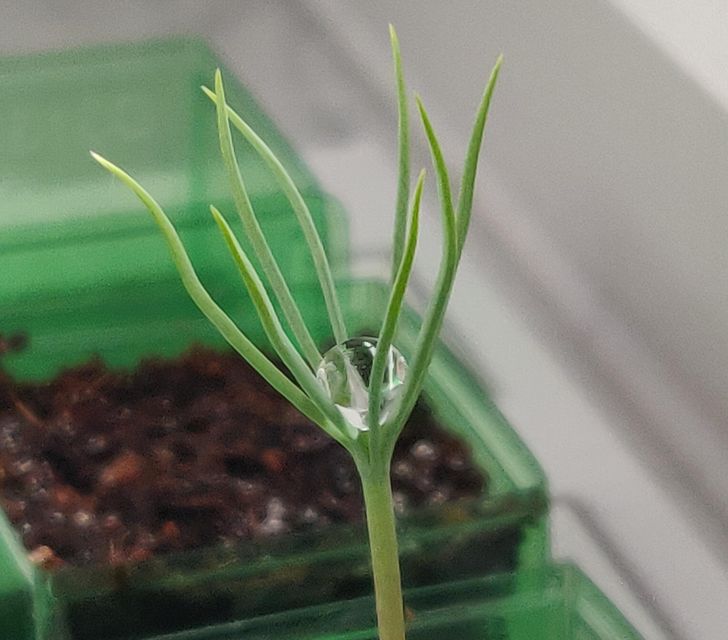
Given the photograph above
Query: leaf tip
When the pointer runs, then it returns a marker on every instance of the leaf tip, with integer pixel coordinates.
(423, 112)
(392, 34)
(219, 91)
(496, 68)
(219, 219)
(101, 160)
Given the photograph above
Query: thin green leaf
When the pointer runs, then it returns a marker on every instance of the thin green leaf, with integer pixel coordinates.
(438, 161)
(435, 313)
(273, 329)
(255, 234)
(465, 199)
(391, 317)
(207, 305)
(400, 219)
(303, 214)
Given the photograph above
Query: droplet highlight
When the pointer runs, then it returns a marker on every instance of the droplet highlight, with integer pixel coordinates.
(345, 371)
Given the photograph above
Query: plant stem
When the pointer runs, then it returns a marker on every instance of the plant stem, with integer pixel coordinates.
(383, 546)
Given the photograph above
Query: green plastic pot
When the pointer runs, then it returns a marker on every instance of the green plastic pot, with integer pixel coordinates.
(555, 602)
(70, 232)
(85, 273)
(502, 530)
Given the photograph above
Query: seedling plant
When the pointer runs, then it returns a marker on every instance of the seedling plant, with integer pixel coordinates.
(362, 391)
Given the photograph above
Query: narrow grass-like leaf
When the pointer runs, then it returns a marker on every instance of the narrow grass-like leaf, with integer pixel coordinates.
(275, 332)
(438, 162)
(303, 214)
(227, 328)
(391, 317)
(465, 198)
(435, 313)
(400, 217)
(255, 234)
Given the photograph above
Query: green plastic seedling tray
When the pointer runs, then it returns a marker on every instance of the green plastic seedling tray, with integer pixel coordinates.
(140, 105)
(501, 531)
(556, 602)
(75, 249)
(67, 227)
(85, 272)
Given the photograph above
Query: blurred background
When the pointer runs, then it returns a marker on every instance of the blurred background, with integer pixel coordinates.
(593, 296)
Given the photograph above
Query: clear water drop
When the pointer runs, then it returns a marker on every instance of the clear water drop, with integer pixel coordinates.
(344, 373)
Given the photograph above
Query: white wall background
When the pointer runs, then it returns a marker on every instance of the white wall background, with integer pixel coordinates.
(618, 155)
(603, 213)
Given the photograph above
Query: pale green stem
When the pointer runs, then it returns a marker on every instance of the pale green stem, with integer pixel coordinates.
(400, 219)
(277, 336)
(303, 214)
(255, 234)
(207, 305)
(381, 526)
(391, 317)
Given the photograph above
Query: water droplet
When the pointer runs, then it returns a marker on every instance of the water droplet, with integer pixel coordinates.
(344, 373)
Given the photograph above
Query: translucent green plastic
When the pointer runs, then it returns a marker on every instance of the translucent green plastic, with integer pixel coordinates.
(76, 249)
(84, 272)
(68, 229)
(501, 531)
(551, 603)
(140, 105)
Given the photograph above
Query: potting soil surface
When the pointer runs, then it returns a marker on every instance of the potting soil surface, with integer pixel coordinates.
(101, 466)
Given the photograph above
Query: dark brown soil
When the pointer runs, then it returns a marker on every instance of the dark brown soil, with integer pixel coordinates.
(101, 466)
